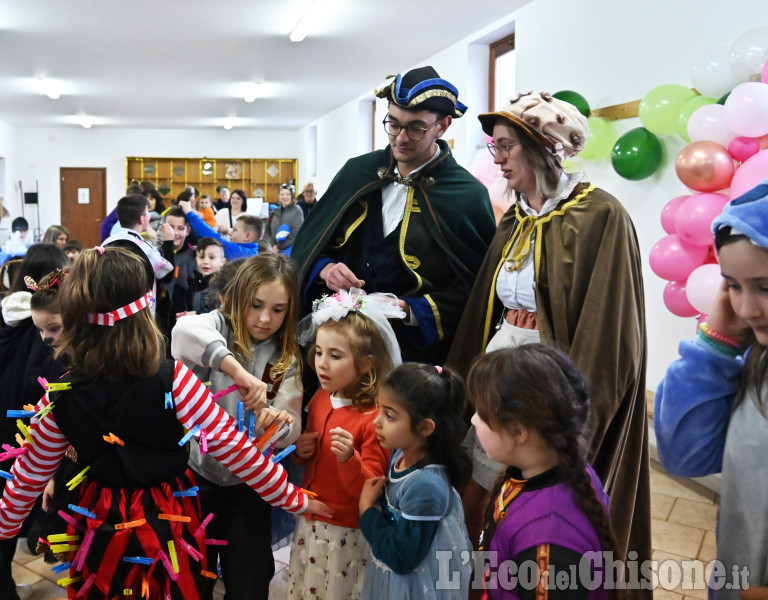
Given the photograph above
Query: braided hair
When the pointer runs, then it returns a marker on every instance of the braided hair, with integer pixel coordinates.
(437, 393)
(537, 386)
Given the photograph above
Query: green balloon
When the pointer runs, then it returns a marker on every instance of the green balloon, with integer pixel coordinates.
(637, 154)
(579, 101)
(724, 98)
(602, 137)
(659, 108)
(687, 110)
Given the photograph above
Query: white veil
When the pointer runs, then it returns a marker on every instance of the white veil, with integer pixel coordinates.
(378, 307)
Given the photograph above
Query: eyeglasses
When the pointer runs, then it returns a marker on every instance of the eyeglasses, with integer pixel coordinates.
(502, 150)
(414, 132)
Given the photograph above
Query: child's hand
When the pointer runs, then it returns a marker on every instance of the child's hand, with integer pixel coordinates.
(268, 416)
(372, 489)
(48, 495)
(723, 319)
(342, 444)
(167, 232)
(315, 507)
(307, 444)
(253, 389)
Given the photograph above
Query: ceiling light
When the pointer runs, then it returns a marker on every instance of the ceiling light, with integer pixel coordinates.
(306, 21)
(50, 88)
(253, 91)
(85, 121)
(229, 122)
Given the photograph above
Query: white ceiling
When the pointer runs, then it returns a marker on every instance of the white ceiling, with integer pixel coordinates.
(186, 63)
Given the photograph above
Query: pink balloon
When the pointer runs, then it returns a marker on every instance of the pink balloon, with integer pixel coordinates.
(701, 287)
(673, 259)
(741, 148)
(704, 166)
(676, 301)
(749, 174)
(708, 123)
(746, 109)
(669, 211)
(693, 221)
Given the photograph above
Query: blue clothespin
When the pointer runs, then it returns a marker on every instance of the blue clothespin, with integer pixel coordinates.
(281, 455)
(188, 436)
(251, 424)
(190, 492)
(83, 511)
(240, 410)
(6, 475)
(139, 560)
(61, 567)
(15, 414)
(168, 400)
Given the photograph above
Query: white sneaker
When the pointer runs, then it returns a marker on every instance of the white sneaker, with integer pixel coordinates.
(24, 591)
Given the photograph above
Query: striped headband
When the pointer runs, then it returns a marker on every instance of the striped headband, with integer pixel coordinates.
(109, 318)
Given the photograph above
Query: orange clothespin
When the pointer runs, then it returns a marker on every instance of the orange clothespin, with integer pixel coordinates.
(130, 524)
(113, 439)
(179, 518)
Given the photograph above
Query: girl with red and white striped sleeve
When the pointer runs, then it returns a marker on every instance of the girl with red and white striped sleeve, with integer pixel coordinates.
(124, 407)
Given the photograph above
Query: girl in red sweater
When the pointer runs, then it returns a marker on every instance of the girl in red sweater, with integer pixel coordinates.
(353, 350)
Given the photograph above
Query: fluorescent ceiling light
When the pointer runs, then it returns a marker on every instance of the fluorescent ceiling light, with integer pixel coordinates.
(50, 88)
(308, 19)
(85, 121)
(229, 122)
(253, 91)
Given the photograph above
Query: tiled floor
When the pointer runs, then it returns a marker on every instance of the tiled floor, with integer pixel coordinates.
(683, 513)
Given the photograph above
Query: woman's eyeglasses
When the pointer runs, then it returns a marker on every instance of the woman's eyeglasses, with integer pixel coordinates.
(502, 150)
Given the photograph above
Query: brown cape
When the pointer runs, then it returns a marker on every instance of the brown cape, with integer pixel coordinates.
(589, 295)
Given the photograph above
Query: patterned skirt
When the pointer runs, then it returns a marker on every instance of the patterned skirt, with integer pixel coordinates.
(327, 562)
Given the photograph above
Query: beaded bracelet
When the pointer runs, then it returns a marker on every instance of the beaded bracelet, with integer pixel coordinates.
(716, 345)
(715, 335)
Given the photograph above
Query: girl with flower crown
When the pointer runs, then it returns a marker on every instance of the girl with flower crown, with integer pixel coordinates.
(137, 528)
(353, 347)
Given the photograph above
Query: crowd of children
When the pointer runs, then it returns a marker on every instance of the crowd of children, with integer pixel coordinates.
(163, 474)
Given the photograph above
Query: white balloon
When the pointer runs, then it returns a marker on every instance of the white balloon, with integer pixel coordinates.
(708, 122)
(712, 74)
(701, 287)
(749, 53)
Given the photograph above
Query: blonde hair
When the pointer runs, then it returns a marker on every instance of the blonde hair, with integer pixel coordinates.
(365, 341)
(100, 283)
(238, 297)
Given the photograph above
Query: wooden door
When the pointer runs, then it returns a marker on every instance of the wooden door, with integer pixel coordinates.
(83, 203)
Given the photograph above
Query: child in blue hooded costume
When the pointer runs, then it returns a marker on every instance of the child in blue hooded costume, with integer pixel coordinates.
(711, 414)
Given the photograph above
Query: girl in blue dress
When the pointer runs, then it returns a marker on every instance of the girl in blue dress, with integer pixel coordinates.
(416, 531)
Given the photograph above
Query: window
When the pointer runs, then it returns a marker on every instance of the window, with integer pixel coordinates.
(501, 72)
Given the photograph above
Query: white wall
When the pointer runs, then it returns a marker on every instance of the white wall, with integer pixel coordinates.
(41, 152)
(8, 176)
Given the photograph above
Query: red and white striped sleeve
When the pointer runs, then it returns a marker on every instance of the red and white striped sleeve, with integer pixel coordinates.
(31, 472)
(233, 449)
